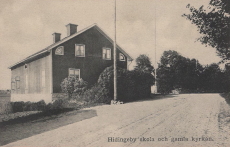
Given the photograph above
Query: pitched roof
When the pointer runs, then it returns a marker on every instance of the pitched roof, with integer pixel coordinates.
(49, 48)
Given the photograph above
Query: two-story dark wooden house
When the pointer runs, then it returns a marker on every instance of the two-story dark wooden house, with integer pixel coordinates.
(84, 53)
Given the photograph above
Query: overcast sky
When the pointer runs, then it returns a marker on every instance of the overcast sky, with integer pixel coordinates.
(26, 26)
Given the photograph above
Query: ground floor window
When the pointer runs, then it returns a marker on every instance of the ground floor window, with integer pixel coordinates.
(13, 85)
(17, 79)
(74, 72)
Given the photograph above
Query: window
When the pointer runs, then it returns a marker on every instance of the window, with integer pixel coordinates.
(106, 53)
(59, 50)
(17, 82)
(74, 72)
(121, 57)
(13, 86)
(80, 50)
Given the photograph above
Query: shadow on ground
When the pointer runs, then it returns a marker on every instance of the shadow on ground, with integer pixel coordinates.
(28, 126)
(155, 97)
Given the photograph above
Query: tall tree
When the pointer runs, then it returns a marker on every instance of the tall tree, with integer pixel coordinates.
(144, 64)
(213, 23)
(176, 71)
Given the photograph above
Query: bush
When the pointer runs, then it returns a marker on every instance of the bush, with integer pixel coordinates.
(57, 104)
(17, 106)
(39, 106)
(96, 94)
(73, 84)
(131, 85)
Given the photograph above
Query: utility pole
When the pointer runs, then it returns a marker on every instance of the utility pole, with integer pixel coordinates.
(115, 56)
(155, 50)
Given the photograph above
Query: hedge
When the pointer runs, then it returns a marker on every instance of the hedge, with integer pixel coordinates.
(39, 106)
(131, 85)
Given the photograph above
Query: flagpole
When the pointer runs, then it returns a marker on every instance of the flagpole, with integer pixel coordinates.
(155, 50)
(115, 56)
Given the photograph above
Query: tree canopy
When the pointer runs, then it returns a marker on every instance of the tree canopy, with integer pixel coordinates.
(188, 75)
(213, 23)
(144, 64)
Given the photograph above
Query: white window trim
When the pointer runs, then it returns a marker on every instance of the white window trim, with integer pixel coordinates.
(120, 54)
(75, 69)
(60, 47)
(75, 50)
(106, 48)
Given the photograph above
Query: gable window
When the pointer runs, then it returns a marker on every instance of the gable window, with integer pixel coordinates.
(106, 53)
(59, 50)
(79, 50)
(17, 82)
(74, 72)
(121, 57)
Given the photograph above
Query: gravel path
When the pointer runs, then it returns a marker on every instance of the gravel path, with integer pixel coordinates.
(184, 120)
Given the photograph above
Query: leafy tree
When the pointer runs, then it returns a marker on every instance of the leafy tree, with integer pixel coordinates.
(72, 84)
(144, 64)
(212, 79)
(177, 72)
(214, 25)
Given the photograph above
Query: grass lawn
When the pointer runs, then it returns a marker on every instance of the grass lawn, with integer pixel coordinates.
(27, 126)
(4, 106)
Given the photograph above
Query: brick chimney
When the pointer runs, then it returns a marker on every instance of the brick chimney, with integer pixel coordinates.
(56, 37)
(71, 29)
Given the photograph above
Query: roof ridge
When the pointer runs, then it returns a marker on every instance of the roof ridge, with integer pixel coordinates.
(48, 48)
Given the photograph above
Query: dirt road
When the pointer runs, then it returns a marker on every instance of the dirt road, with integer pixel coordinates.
(183, 120)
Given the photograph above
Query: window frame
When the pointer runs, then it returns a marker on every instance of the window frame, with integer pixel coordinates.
(75, 69)
(17, 82)
(76, 50)
(59, 48)
(104, 57)
(120, 54)
(13, 84)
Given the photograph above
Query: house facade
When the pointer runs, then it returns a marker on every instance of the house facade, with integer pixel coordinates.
(84, 54)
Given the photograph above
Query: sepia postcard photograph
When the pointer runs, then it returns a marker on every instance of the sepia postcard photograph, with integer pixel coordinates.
(115, 73)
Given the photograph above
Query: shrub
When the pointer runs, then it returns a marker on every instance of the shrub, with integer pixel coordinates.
(80, 86)
(39, 106)
(97, 93)
(17, 106)
(131, 85)
(73, 84)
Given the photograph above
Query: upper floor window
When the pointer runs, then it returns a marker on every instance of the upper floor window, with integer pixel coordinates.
(80, 50)
(121, 57)
(74, 72)
(106, 53)
(59, 50)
